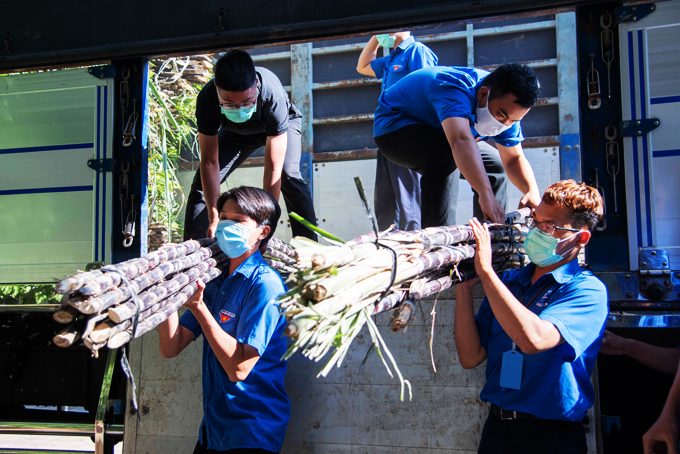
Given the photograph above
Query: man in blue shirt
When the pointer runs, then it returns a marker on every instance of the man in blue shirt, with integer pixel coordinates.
(432, 120)
(397, 189)
(245, 406)
(539, 329)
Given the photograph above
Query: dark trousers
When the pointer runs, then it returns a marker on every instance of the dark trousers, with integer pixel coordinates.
(397, 195)
(202, 450)
(425, 149)
(234, 149)
(532, 436)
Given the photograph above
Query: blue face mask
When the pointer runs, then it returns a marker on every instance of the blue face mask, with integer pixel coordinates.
(386, 40)
(239, 115)
(232, 238)
(540, 247)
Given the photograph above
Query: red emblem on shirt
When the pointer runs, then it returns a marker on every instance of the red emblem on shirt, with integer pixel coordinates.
(397, 67)
(224, 318)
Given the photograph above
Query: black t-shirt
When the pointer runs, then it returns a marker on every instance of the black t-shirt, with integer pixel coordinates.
(271, 117)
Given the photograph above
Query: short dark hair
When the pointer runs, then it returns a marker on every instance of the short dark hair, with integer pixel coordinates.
(516, 79)
(235, 71)
(257, 204)
(584, 202)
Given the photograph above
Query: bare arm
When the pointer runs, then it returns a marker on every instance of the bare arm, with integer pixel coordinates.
(663, 359)
(664, 432)
(469, 160)
(369, 54)
(237, 359)
(274, 155)
(210, 178)
(520, 174)
(173, 338)
(470, 351)
(531, 334)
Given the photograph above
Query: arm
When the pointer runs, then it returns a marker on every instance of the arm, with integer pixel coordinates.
(468, 159)
(663, 359)
(210, 177)
(274, 155)
(237, 359)
(369, 54)
(664, 432)
(520, 174)
(470, 350)
(172, 337)
(531, 334)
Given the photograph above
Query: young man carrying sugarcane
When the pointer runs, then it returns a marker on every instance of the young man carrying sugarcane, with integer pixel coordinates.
(245, 406)
(243, 109)
(397, 189)
(435, 121)
(539, 329)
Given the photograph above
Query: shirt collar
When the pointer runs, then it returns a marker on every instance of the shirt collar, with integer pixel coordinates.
(250, 264)
(405, 43)
(561, 275)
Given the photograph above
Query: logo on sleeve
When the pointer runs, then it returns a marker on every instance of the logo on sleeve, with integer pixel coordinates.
(226, 315)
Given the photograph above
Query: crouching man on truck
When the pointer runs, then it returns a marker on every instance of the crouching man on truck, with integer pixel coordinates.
(245, 406)
(539, 328)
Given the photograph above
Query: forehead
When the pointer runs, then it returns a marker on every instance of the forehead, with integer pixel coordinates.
(230, 207)
(508, 104)
(553, 214)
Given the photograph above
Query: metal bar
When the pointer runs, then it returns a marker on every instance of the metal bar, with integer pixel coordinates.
(343, 119)
(469, 28)
(345, 83)
(646, 319)
(272, 56)
(54, 428)
(301, 95)
(337, 49)
(41, 451)
(515, 28)
(28, 307)
(532, 64)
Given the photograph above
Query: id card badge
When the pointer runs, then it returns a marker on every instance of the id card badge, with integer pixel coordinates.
(511, 369)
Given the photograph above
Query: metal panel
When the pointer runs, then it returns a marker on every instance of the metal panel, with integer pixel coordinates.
(53, 208)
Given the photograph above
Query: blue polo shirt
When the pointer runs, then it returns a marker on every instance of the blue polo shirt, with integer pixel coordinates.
(407, 57)
(253, 413)
(430, 96)
(555, 383)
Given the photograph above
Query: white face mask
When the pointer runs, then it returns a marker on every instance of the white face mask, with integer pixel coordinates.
(485, 123)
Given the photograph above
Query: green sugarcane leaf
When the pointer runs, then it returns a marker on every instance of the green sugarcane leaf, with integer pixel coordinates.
(314, 228)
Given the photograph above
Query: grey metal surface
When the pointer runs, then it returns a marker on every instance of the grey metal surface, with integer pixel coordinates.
(655, 319)
(46, 428)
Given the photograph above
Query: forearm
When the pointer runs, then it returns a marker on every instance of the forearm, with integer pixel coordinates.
(521, 174)
(530, 333)
(672, 406)
(368, 54)
(274, 157)
(169, 336)
(272, 182)
(470, 351)
(662, 359)
(228, 351)
(210, 180)
(469, 161)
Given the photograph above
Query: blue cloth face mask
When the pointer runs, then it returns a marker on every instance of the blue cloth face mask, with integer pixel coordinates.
(232, 238)
(386, 40)
(240, 115)
(540, 247)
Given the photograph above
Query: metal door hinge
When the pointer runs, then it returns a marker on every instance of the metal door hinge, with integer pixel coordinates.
(101, 165)
(634, 12)
(655, 273)
(102, 72)
(637, 128)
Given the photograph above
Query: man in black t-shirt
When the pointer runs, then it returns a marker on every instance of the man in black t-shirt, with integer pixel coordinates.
(242, 109)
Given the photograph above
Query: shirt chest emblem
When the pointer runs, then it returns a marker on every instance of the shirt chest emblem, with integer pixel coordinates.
(226, 315)
(397, 67)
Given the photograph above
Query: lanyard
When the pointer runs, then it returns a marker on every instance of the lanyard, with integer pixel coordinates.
(528, 305)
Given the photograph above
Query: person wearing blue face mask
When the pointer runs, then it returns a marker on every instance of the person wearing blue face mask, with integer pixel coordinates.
(243, 109)
(539, 329)
(245, 406)
(397, 189)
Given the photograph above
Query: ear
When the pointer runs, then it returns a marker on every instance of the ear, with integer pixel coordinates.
(584, 237)
(483, 93)
(264, 233)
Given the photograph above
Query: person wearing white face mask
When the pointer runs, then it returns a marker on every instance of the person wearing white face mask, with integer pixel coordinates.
(435, 121)
(539, 329)
(245, 406)
(243, 109)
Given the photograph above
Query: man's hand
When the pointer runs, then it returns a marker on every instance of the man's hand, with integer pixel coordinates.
(662, 437)
(196, 300)
(531, 200)
(492, 209)
(210, 233)
(613, 344)
(483, 264)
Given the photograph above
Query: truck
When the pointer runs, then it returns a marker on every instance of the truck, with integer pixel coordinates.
(74, 122)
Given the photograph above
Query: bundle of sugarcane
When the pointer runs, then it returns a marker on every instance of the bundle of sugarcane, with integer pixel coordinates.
(337, 289)
(279, 256)
(117, 303)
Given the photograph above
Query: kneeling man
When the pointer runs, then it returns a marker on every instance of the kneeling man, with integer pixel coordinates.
(539, 328)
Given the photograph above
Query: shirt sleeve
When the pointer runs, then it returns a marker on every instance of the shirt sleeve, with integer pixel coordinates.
(208, 110)
(484, 320)
(579, 313)
(188, 320)
(260, 314)
(275, 116)
(422, 57)
(378, 67)
(511, 136)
